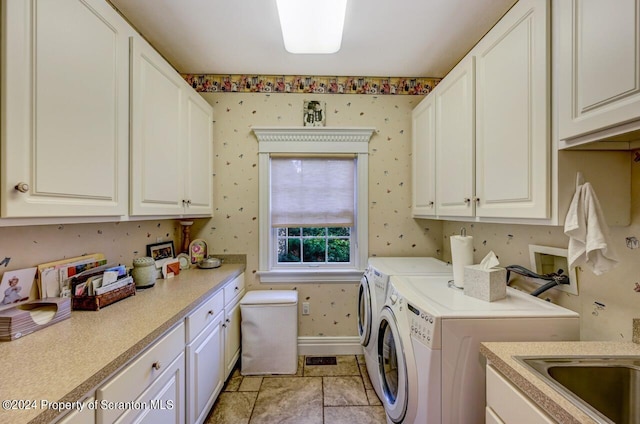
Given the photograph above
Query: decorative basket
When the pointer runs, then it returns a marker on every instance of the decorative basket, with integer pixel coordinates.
(94, 303)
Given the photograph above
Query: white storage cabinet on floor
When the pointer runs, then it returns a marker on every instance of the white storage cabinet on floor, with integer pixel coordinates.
(269, 332)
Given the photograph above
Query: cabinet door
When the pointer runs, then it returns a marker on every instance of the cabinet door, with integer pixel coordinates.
(423, 155)
(205, 365)
(157, 156)
(599, 65)
(199, 155)
(65, 109)
(455, 133)
(512, 115)
(232, 336)
(164, 398)
(86, 416)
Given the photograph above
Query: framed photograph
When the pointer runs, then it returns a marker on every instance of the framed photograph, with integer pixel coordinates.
(160, 251)
(314, 113)
(15, 287)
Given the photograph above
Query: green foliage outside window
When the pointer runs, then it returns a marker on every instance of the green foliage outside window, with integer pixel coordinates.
(314, 245)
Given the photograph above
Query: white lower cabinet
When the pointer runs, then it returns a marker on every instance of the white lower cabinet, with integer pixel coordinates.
(179, 377)
(231, 336)
(205, 356)
(155, 380)
(233, 292)
(507, 404)
(86, 416)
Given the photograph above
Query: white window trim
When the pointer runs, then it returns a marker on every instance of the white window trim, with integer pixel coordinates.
(306, 140)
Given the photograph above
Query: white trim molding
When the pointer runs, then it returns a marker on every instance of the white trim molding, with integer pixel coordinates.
(329, 346)
(313, 140)
(285, 135)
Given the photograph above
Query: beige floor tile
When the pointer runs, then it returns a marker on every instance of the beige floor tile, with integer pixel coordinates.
(344, 391)
(293, 400)
(365, 376)
(354, 415)
(232, 408)
(250, 384)
(373, 397)
(346, 365)
(233, 384)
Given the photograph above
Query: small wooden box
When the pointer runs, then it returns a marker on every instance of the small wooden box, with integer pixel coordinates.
(94, 303)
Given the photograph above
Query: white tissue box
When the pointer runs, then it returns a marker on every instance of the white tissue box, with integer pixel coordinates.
(485, 284)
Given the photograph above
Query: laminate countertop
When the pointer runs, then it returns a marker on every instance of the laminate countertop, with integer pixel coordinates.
(64, 362)
(501, 355)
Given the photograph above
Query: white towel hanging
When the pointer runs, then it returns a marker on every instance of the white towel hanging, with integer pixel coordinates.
(589, 240)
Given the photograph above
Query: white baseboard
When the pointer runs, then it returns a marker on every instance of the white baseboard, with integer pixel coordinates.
(329, 346)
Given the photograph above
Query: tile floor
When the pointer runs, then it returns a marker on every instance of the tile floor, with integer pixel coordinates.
(317, 394)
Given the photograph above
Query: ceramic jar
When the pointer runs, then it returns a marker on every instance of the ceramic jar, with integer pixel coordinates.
(144, 272)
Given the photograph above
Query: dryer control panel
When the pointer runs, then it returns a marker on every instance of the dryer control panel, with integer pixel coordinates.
(424, 327)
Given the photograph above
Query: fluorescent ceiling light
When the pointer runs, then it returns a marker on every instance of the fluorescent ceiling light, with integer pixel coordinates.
(312, 26)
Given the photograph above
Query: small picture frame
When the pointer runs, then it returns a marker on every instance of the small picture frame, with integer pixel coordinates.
(314, 113)
(160, 251)
(15, 287)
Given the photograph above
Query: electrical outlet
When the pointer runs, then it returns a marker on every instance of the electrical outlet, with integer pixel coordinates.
(305, 308)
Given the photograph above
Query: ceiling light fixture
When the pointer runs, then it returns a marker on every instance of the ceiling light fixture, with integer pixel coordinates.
(312, 27)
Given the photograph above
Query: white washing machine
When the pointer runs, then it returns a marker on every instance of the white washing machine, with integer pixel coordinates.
(372, 294)
(429, 335)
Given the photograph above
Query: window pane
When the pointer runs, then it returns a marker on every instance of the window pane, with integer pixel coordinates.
(310, 232)
(338, 250)
(294, 231)
(339, 231)
(314, 250)
(289, 250)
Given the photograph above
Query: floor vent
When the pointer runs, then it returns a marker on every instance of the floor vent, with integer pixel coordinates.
(321, 360)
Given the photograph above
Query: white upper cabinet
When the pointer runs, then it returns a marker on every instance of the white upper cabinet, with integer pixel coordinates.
(423, 156)
(512, 115)
(599, 68)
(455, 135)
(199, 155)
(65, 97)
(171, 130)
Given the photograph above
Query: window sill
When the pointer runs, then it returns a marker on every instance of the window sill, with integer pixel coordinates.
(311, 276)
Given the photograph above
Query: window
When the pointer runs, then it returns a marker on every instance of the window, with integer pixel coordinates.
(313, 204)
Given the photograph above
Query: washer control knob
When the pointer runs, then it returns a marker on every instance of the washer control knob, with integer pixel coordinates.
(393, 298)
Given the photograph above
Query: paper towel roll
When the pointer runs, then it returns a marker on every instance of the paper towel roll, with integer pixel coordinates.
(461, 256)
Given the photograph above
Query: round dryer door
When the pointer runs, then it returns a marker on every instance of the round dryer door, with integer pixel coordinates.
(393, 367)
(364, 311)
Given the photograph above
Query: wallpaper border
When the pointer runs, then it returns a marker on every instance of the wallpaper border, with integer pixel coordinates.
(211, 83)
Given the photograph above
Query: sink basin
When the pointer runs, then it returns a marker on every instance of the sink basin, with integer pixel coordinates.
(606, 389)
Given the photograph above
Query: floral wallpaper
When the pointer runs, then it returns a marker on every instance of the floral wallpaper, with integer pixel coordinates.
(206, 83)
(392, 231)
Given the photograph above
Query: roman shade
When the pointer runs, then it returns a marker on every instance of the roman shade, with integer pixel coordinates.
(312, 191)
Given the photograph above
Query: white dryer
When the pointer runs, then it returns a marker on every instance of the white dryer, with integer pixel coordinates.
(430, 368)
(372, 294)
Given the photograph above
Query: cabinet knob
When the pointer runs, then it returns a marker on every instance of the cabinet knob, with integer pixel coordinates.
(211, 312)
(477, 199)
(188, 202)
(237, 289)
(224, 325)
(156, 365)
(228, 320)
(431, 203)
(467, 200)
(22, 187)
